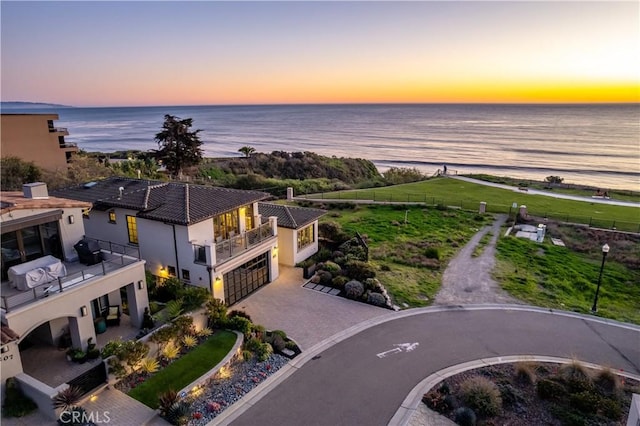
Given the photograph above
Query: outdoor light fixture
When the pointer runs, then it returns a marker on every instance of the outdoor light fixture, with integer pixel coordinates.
(84, 311)
(4, 349)
(605, 250)
(71, 219)
(140, 285)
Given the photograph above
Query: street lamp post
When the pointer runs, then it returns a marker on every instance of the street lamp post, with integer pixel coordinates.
(605, 250)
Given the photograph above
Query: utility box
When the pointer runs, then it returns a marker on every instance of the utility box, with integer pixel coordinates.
(35, 190)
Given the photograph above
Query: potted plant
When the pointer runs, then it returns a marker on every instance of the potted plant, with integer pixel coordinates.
(92, 351)
(79, 356)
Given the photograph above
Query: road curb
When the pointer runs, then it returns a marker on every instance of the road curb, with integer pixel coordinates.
(409, 406)
(274, 380)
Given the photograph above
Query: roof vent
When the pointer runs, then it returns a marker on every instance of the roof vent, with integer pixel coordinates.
(121, 190)
(35, 191)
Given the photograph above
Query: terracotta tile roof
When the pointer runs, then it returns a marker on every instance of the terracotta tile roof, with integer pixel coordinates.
(14, 200)
(172, 202)
(290, 216)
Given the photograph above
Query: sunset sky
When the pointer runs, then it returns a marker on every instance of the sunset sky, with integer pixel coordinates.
(205, 53)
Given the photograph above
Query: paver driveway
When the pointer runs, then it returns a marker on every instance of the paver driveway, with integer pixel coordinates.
(307, 316)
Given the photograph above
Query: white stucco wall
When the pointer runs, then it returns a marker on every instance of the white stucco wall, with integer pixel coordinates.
(98, 225)
(287, 242)
(70, 233)
(309, 250)
(25, 319)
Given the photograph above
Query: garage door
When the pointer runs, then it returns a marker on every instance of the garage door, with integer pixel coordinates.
(246, 279)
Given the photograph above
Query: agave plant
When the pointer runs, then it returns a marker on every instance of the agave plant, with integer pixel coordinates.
(189, 341)
(149, 365)
(171, 351)
(67, 398)
(205, 332)
(174, 308)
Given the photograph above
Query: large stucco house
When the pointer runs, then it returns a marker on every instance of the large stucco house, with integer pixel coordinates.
(49, 296)
(226, 240)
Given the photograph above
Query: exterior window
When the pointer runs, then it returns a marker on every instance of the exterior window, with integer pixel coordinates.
(305, 237)
(132, 228)
(171, 271)
(248, 217)
(200, 254)
(185, 275)
(112, 216)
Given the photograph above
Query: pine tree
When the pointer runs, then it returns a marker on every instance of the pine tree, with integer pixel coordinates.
(179, 146)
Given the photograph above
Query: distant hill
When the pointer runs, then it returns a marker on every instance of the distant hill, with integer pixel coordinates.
(29, 105)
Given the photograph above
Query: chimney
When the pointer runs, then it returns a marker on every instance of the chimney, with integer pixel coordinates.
(35, 190)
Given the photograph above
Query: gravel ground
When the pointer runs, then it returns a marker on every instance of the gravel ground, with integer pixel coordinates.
(467, 280)
(221, 392)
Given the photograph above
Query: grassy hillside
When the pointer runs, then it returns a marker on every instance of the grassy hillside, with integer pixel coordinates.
(452, 192)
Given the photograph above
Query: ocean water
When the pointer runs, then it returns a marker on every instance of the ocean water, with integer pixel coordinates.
(587, 144)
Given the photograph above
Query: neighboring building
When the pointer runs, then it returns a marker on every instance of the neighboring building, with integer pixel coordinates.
(34, 137)
(297, 231)
(206, 236)
(51, 296)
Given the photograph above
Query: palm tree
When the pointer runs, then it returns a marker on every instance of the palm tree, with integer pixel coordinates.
(247, 151)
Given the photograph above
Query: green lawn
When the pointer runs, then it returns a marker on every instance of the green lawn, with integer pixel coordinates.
(185, 370)
(556, 277)
(617, 194)
(452, 192)
(399, 250)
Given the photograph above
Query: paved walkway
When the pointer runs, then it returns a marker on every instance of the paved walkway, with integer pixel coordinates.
(547, 193)
(307, 316)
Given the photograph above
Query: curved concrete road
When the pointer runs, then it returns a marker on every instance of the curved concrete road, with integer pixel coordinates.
(352, 383)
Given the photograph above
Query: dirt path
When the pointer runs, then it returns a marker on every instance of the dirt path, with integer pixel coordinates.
(467, 279)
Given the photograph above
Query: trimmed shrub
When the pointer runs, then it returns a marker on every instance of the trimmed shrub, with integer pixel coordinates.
(353, 289)
(238, 313)
(241, 324)
(184, 325)
(325, 277)
(359, 270)
(482, 395)
(373, 284)
(551, 390)
(217, 313)
(277, 342)
(252, 344)
(611, 409)
(585, 401)
(332, 267)
(264, 351)
(339, 281)
(465, 416)
(376, 299)
(323, 254)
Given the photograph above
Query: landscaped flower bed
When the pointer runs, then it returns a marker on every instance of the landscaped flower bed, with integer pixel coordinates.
(229, 385)
(531, 394)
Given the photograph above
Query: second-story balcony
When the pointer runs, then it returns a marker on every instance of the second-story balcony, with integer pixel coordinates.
(58, 130)
(114, 257)
(69, 145)
(236, 245)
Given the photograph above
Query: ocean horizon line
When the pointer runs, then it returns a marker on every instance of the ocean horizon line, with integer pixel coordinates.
(57, 105)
